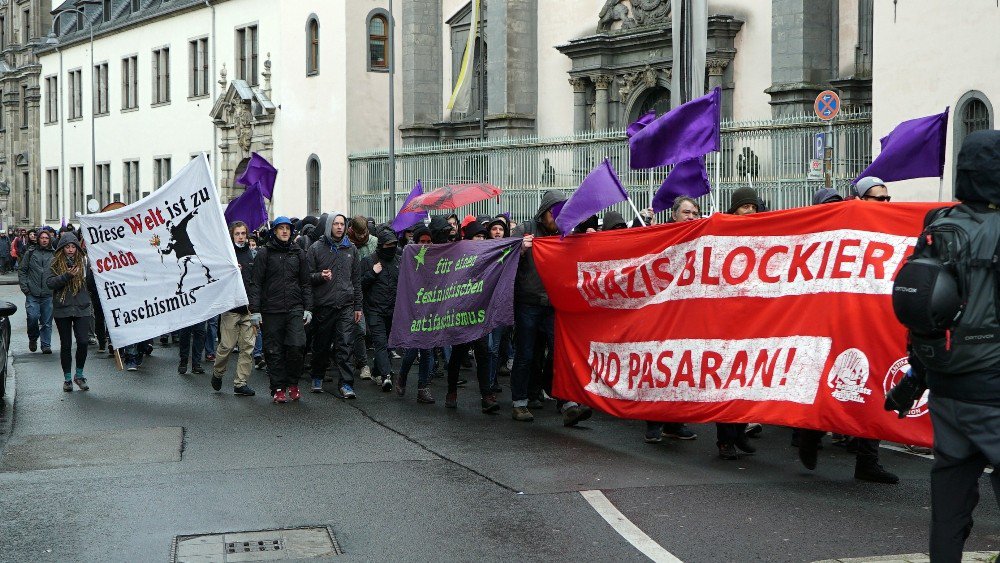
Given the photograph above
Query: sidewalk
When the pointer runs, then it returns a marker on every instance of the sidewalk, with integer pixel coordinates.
(967, 557)
(8, 279)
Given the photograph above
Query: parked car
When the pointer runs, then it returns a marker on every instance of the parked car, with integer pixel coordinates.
(6, 310)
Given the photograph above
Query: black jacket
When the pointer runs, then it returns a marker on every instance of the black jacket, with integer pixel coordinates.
(977, 184)
(380, 288)
(244, 257)
(344, 289)
(280, 281)
(528, 286)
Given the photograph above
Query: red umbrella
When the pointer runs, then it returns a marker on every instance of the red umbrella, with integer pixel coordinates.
(451, 197)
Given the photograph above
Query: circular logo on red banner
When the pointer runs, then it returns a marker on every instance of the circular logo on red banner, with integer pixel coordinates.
(896, 372)
(849, 377)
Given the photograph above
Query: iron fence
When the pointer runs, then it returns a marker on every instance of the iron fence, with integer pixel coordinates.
(774, 155)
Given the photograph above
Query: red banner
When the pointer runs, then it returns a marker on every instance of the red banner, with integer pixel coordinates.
(779, 318)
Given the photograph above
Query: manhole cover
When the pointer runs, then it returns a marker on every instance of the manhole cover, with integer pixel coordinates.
(262, 545)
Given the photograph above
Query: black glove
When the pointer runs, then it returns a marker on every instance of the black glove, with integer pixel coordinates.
(905, 394)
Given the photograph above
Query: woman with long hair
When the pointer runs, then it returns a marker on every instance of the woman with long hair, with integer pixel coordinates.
(71, 307)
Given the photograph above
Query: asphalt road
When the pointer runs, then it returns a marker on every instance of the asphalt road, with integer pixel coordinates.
(116, 473)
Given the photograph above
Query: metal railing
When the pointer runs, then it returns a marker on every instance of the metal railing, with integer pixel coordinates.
(772, 154)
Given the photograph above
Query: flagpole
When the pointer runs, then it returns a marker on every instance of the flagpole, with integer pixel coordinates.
(718, 181)
(941, 188)
(392, 113)
(637, 214)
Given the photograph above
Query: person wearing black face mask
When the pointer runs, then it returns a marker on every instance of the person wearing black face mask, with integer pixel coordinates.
(379, 278)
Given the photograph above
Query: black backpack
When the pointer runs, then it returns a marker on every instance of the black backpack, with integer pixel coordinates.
(946, 292)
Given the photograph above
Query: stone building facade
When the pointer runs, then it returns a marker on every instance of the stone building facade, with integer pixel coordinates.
(24, 24)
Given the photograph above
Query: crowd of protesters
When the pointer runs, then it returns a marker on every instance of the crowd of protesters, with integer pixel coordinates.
(322, 292)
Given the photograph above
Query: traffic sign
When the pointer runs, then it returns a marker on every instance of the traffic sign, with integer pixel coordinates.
(827, 105)
(819, 145)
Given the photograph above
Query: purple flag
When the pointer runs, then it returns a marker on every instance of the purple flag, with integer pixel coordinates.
(685, 132)
(404, 221)
(600, 189)
(641, 123)
(914, 149)
(688, 178)
(248, 208)
(454, 293)
(259, 171)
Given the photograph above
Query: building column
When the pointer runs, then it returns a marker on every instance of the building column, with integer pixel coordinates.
(803, 59)
(512, 68)
(580, 119)
(716, 79)
(601, 102)
(421, 71)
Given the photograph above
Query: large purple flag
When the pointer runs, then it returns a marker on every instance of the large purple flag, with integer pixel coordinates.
(404, 221)
(688, 178)
(248, 208)
(914, 149)
(454, 293)
(685, 132)
(259, 171)
(600, 189)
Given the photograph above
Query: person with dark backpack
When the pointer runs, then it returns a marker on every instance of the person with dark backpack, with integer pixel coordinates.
(947, 296)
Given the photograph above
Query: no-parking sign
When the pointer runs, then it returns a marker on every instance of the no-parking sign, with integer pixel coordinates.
(827, 105)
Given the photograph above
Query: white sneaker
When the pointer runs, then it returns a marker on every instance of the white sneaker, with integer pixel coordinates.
(366, 373)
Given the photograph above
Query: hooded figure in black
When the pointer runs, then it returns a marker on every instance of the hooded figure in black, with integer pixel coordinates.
(379, 276)
(534, 317)
(334, 267)
(964, 407)
(281, 302)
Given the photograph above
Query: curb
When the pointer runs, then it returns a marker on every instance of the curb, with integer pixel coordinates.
(7, 418)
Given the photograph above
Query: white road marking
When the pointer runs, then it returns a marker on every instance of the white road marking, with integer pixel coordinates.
(627, 529)
(925, 456)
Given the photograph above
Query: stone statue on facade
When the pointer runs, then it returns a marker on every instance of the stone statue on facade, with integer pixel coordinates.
(613, 11)
(650, 12)
(632, 14)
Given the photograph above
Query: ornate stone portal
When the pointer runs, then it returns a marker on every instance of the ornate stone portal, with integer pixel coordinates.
(625, 69)
(244, 116)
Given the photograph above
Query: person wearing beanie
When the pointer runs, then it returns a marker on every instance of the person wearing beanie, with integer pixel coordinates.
(826, 195)
(534, 317)
(71, 307)
(474, 231)
(613, 221)
(744, 202)
(280, 302)
(421, 234)
(871, 188)
(498, 227)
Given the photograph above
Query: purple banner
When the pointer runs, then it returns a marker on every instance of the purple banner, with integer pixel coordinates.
(454, 293)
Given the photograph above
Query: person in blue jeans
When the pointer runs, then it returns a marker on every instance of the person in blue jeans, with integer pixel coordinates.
(211, 337)
(192, 347)
(34, 266)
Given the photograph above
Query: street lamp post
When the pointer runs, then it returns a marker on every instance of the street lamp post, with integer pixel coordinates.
(53, 39)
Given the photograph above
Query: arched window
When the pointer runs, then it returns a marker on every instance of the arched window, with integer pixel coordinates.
(313, 186)
(378, 40)
(312, 46)
(974, 113)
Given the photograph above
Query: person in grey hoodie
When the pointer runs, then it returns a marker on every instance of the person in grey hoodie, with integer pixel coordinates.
(71, 307)
(32, 269)
(534, 315)
(333, 267)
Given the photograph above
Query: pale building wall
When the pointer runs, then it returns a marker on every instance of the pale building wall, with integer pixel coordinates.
(176, 130)
(914, 76)
(847, 36)
(752, 65)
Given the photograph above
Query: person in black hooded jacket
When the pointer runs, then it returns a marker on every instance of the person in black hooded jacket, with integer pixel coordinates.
(281, 302)
(965, 406)
(534, 315)
(335, 267)
(379, 277)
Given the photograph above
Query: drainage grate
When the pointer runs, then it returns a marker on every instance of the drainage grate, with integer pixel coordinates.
(254, 546)
(260, 545)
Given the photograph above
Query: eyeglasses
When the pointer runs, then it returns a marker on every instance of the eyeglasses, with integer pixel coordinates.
(882, 198)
